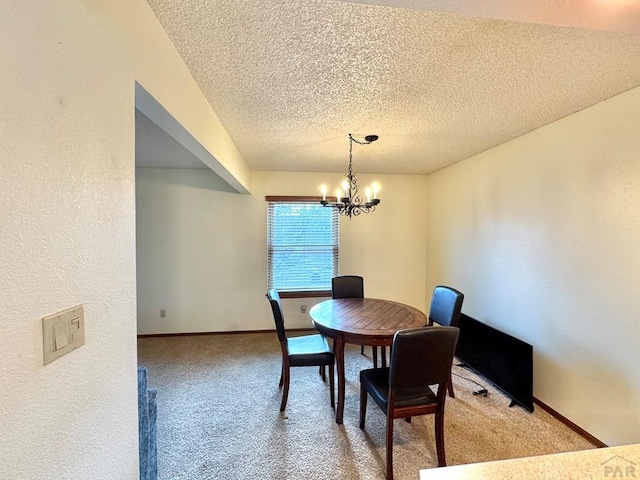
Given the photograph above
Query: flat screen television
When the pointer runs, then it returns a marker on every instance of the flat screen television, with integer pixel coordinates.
(505, 361)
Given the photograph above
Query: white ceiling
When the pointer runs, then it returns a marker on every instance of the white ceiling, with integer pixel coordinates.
(438, 81)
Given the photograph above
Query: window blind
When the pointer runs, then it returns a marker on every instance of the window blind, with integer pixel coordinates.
(302, 245)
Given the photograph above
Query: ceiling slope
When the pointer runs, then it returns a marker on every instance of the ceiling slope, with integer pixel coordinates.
(290, 80)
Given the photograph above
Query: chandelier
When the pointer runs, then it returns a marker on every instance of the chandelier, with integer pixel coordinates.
(348, 201)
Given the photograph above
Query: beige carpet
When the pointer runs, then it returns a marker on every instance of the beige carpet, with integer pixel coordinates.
(218, 418)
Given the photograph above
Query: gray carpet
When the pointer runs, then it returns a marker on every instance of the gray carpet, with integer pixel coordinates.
(218, 418)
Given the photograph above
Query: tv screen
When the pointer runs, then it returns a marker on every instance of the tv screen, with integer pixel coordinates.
(505, 361)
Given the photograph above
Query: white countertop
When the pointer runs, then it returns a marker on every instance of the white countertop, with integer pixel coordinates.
(598, 463)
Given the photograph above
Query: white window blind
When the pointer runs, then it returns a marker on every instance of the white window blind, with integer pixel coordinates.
(302, 241)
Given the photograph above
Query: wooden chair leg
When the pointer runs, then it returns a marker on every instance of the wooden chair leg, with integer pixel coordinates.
(439, 424)
(361, 349)
(374, 351)
(285, 392)
(383, 350)
(281, 376)
(389, 447)
(321, 371)
(333, 395)
(450, 387)
(363, 406)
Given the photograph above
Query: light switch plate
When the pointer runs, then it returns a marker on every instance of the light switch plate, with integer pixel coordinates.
(62, 332)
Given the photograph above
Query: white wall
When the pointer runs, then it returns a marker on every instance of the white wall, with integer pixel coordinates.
(542, 234)
(67, 238)
(198, 253)
(67, 216)
(202, 251)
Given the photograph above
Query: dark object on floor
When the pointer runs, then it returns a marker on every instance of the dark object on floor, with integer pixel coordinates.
(147, 415)
(305, 351)
(420, 357)
(505, 361)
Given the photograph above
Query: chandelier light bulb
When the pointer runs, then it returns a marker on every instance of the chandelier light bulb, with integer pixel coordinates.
(345, 187)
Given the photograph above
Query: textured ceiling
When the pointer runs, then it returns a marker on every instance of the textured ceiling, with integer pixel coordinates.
(290, 79)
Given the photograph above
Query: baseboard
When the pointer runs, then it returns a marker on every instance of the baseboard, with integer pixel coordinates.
(583, 433)
(234, 332)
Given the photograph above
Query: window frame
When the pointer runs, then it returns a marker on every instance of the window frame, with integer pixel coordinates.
(301, 199)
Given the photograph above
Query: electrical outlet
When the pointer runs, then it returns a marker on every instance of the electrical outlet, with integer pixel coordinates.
(163, 313)
(303, 309)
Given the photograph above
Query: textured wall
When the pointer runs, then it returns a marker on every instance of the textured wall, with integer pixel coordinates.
(542, 235)
(67, 216)
(202, 251)
(67, 238)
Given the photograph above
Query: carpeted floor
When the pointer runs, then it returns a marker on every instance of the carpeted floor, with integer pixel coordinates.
(218, 418)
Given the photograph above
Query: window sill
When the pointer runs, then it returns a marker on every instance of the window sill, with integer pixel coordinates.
(305, 294)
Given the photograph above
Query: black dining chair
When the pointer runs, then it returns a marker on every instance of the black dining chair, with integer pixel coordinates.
(347, 286)
(352, 286)
(303, 351)
(420, 358)
(446, 305)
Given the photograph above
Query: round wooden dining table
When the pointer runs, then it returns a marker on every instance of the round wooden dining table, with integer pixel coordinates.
(362, 321)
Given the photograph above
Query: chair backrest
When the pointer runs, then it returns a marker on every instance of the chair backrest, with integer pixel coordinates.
(276, 307)
(422, 356)
(347, 286)
(446, 305)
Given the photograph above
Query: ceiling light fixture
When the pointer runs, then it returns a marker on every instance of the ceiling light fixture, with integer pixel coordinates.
(348, 201)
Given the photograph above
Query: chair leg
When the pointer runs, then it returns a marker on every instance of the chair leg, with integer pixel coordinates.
(450, 386)
(285, 392)
(439, 421)
(383, 350)
(333, 395)
(363, 406)
(374, 352)
(361, 349)
(321, 371)
(281, 376)
(389, 447)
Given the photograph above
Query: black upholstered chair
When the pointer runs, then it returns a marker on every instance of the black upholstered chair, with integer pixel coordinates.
(347, 286)
(352, 286)
(304, 351)
(420, 358)
(446, 305)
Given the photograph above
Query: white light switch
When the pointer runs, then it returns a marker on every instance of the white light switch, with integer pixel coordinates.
(60, 335)
(62, 332)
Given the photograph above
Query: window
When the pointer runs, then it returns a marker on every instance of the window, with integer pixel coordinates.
(302, 249)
